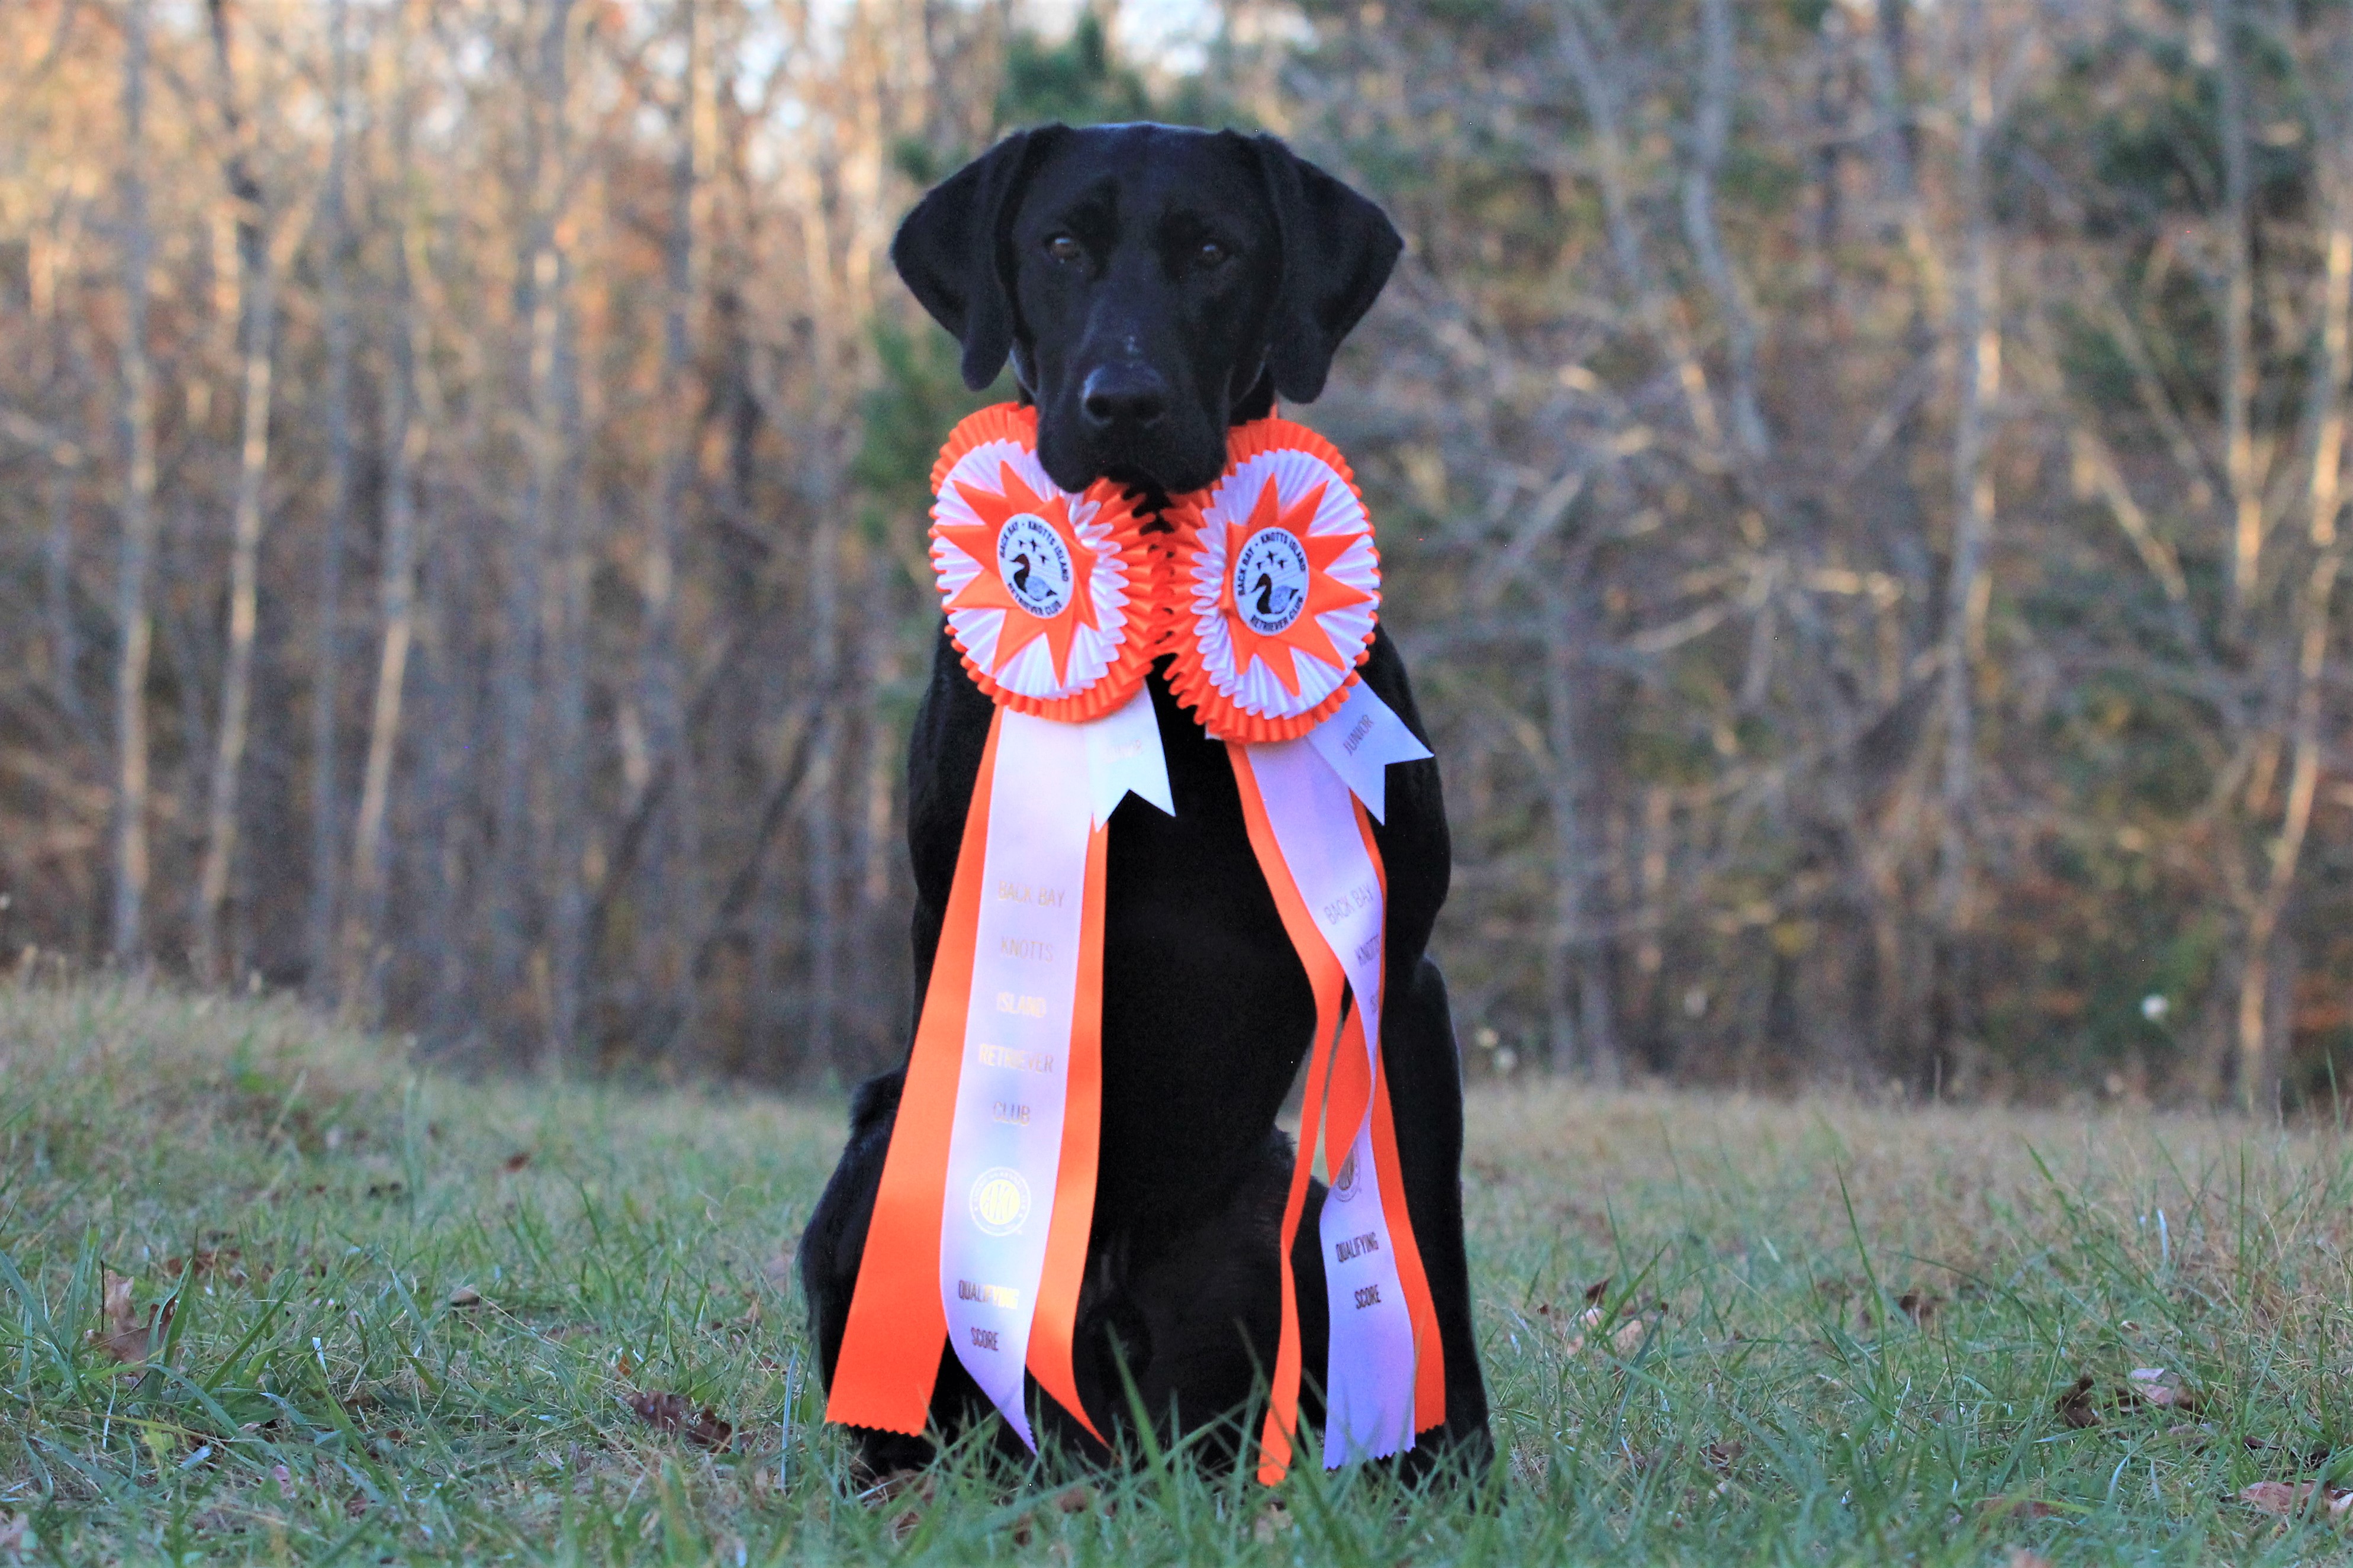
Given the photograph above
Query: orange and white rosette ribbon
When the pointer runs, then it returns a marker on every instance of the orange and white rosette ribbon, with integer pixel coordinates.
(1266, 596)
(1051, 597)
(1276, 589)
(980, 1223)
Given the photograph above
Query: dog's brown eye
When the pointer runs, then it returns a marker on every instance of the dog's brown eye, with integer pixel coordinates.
(1210, 254)
(1062, 247)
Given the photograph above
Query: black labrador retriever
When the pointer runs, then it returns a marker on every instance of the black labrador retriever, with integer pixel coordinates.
(1154, 287)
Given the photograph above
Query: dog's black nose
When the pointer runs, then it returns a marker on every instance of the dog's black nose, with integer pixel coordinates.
(1132, 396)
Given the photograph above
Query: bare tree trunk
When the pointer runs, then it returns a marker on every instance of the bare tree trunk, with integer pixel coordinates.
(138, 416)
(1898, 147)
(66, 462)
(1649, 951)
(326, 675)
(566, 834)
(257, 288)
(1599, 96)
(822, 577)
(1711, 128)
(2257, 1074)
(407, 436)
(2237, 387)
(673, 844)
(524, 634)
(825, 795)
(236, 677)
(453, 720)
(64, 652)
(1584, 1039)
(1977, 328)
(876, 938)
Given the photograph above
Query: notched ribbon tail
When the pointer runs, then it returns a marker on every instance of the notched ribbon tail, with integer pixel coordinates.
(897, 1329)
(1055, 1327)
(1360, 740)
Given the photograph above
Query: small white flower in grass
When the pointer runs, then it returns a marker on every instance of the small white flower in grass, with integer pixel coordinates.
(2154, 1007)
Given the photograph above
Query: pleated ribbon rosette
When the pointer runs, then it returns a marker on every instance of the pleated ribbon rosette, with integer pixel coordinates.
(1265, 593)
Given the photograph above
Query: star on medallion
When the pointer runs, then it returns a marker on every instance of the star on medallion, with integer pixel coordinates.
(987, 590)
(1324, 592)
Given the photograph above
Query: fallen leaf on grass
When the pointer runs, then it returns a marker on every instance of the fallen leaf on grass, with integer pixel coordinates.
(1920, 1307)
(465, 1295)
(516, 1162)
(2150, 1385)
(127, 1337)
(916, 1486)
(880, 1489)
(1627, 1336)
(221, 1261)
(747, 1323)
(673, 1413)
(2019, 1557)
(1571, 1326)
(2278, 1497)
(16, 1533)
(1271, 1521)
(1073, 1499)
(2020, 1508)
(2074, 1404)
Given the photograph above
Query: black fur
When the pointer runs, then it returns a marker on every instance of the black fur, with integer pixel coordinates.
(1206, 1012)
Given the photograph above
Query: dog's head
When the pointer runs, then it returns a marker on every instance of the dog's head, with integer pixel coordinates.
(1148, 283)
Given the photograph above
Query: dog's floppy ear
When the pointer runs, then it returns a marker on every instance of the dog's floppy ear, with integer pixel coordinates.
(950, 250)
(1337, 250)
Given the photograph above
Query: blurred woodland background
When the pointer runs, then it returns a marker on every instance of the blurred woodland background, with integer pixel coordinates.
(1862, 486)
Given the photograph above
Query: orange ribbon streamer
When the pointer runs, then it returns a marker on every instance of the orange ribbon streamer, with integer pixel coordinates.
(897, 1329)
(1333, 1108)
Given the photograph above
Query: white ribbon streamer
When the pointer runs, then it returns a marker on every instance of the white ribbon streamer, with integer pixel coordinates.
(1123, 757)
(1360, 739)
(1368, 1387)
(1053, 783)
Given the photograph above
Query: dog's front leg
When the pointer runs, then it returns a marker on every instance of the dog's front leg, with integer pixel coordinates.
(1424, 1074)
(827, 1259)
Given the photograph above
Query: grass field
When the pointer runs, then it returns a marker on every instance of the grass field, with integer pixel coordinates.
(411, 1315)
